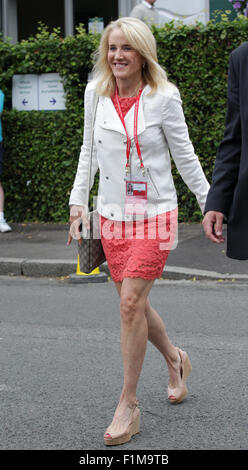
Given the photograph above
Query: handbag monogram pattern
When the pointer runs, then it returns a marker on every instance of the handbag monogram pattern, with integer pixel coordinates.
(91, 254)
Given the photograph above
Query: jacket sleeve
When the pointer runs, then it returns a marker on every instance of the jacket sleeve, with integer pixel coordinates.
(79, 191)
(181, 148)
(227, 161)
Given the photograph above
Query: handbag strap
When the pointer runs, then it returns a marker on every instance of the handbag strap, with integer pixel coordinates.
(95, 104)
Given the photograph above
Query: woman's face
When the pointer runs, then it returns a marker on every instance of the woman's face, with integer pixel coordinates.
(125, 62)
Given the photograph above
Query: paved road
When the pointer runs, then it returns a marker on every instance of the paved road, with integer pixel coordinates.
(61, 369)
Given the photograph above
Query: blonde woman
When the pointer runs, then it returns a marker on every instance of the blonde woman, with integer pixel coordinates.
(139, 118)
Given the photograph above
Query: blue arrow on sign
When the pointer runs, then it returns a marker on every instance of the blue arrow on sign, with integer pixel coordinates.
(53, 101)
(24, 102)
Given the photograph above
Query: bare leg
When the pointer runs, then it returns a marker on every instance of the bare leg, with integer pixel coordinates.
(157, 335)
(134, 335)
(134, 332)
(159, 338)
(1, 198)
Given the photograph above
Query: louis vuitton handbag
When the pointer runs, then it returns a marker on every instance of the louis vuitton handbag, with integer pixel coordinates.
(91, 254)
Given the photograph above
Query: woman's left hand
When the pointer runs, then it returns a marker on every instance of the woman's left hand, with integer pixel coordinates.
(77, 218)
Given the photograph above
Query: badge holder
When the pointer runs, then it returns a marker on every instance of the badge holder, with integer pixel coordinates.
(136, 196)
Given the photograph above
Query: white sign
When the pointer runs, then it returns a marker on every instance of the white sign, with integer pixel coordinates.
(95, 25)
(25, 92)
(43, 92)
(51, 92)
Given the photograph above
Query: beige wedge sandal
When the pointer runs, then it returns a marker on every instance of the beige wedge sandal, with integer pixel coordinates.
(177, 394)
(116, 435)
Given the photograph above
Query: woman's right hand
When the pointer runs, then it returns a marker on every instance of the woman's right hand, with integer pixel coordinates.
(77, 217)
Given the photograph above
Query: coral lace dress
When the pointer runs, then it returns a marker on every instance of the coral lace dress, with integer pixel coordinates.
(137, 249)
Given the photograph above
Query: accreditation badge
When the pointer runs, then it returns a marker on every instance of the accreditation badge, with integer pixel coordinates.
(136, 197)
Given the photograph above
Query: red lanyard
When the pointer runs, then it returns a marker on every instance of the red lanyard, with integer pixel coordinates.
(135, 132)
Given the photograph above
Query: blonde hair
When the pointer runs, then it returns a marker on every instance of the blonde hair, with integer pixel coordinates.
(142, 40)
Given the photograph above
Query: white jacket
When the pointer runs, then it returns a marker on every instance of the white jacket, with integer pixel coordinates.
(161, 130)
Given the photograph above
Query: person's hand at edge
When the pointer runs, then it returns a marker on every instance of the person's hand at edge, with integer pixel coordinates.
(213, 226)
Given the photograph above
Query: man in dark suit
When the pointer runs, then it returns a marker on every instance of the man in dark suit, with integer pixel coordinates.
(228, 196)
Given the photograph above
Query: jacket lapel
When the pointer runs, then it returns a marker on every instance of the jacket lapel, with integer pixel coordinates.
(110, 119)
(129, 119)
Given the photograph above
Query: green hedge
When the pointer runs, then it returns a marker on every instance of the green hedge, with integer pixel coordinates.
(42, 148)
